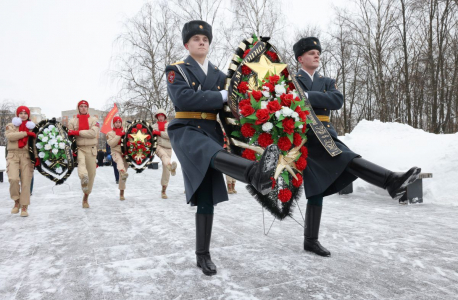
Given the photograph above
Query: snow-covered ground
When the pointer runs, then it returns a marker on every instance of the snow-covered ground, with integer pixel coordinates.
(143, 248)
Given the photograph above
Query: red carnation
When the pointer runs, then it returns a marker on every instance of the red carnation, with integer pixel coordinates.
(298, 109)
(273, 56)
(246, 53)
(270, 86)
(286, 99)
(285, 73)
(144, 130)
(248, 130)
(139, 143)
(134, 130)
(274, 79)
(304, 151)
(244, 102)
(130, 151)
(273, 106)
(263, 116)
(139, 126)
(291, 86)
(249, 154)
(128, 144)
(274, 182)
(303, 116)
(301, 163)
(265, 139)
(243, 87)
(284, 143)
(297, 139)
(288, 125)
(284, 195)
(247, 110)
(297, 183)
(148, 137)
(256, 95)
(307, 112)
(246, 70)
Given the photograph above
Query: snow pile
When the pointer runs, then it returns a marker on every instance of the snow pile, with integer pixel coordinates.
(399, 147)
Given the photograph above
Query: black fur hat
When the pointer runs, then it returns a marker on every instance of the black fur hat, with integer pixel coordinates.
(306, 44)
(192, 28)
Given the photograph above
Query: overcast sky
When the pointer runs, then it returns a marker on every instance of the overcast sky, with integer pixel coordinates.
(54, 53)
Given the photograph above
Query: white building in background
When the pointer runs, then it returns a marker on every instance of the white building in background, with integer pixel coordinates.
(35, 115)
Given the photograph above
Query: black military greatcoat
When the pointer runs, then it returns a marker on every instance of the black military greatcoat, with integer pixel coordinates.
(195, 141)
(324, 174)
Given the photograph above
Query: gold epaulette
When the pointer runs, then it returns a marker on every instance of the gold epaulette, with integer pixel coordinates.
(177, 63)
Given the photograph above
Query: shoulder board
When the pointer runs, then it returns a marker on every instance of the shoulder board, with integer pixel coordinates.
(177, 63)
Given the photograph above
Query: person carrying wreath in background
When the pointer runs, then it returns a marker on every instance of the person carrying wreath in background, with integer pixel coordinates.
(19, 166)
(114, 141)
(86, 131)
(164, 149)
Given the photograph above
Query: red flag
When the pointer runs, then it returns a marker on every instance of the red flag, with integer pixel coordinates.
(108, 119)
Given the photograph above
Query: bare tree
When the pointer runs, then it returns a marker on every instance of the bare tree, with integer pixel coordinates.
(150, 42)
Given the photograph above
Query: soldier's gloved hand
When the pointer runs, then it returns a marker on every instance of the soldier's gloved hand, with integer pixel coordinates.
(31, 134)
(224, 94)
(156, 132)
(73, 132)
(120, 133)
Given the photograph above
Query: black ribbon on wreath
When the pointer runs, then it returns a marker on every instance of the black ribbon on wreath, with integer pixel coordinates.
(55, 149)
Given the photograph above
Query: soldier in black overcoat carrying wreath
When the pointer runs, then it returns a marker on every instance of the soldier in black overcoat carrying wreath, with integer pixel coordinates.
(196, 88)
(326, 175)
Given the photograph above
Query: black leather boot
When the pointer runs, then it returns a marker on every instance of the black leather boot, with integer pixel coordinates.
(312, 228)
(204, 224)
(395, 183)
(258, 174)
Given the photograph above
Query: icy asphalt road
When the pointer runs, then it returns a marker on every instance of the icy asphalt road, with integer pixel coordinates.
(143, 248)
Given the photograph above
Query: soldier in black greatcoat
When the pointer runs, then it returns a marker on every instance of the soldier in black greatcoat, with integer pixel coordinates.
(196, 88)
(326, 175)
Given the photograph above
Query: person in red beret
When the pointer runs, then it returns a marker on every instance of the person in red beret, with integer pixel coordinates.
(114, 138)
(86, 130)
(164, 149)
(19, 166)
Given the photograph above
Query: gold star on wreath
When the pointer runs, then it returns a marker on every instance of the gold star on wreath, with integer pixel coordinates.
(265, 66)
(139, 136)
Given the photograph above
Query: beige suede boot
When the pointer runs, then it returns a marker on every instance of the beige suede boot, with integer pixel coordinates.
(85, 201)
(16, 207)
(163, 194)
(233, 188)
(24, 212)
(121, 195)
(229, 188)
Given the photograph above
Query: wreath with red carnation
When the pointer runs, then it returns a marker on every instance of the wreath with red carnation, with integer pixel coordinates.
(139, 145)
(264, 109)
